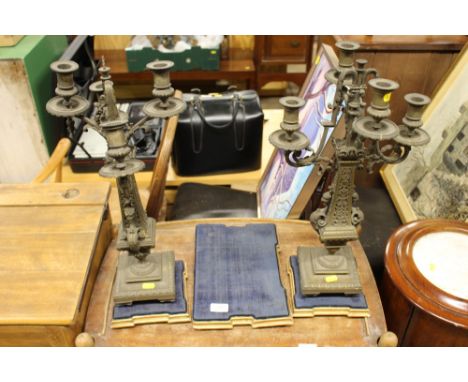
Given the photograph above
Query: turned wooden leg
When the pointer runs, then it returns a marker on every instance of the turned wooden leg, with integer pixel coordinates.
(84, 340)
(388, 339)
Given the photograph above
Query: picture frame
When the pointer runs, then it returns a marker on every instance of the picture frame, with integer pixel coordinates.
(432, 182)
(283, 190)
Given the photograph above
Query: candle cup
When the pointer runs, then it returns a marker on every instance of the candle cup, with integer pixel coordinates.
(346, 51)
(289, 137)
(65, 83)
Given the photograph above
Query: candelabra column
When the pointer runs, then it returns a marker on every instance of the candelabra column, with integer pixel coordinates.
(142, 273)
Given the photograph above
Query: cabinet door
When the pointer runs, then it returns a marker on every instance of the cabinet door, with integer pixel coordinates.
(283, 49)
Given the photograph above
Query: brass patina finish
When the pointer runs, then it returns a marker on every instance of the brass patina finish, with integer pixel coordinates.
(164, 105)
(142, 273)
(333, 269)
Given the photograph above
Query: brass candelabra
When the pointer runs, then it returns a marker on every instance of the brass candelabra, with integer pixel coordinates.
(370, 138)
(142, 274)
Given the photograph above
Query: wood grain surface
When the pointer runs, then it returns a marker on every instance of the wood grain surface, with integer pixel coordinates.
(180, 236)
(52, 238)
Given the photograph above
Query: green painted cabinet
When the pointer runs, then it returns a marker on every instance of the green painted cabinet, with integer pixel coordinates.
(28, 133)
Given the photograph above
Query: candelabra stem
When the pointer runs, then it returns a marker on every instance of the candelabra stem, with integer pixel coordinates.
(134, 234)
(333, 269)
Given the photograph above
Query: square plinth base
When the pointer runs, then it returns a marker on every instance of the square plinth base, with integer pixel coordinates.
(151, 312)
(129, 288)
(324, 273)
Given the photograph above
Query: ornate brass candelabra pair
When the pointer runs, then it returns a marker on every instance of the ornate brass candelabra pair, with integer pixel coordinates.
(142, 273)
(369, 139)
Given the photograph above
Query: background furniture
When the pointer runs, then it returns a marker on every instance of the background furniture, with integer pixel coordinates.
(180, 237)
(9, 40)
(282, 58)
(52, 240)
(419, 312)
(29, 134)
(230, 70)
(417, 63)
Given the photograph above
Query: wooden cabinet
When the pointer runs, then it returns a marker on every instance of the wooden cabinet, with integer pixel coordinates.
(283, 49)
(282, 58)
(417, 63)
(419, 309)
(52, 239)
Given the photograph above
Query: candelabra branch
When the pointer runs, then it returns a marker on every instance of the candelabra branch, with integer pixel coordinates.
(140, 124)
(399, 153)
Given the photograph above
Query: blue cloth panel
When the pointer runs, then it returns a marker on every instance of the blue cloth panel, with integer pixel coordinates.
(145, 308)
(356, 301)
(236, 269)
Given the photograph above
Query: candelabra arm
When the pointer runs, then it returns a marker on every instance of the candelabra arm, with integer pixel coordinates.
(137, 125)
(345, 75)
(402, 152)
(369, 72)
(94, 125)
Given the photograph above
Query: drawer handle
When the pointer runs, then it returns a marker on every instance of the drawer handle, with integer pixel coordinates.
(295, 44)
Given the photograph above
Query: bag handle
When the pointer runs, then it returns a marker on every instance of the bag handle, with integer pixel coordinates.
(196, 106)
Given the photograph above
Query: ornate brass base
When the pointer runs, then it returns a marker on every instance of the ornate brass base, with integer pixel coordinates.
(321, 272)
(150, 279)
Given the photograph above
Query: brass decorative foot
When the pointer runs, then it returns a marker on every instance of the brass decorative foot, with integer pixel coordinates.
(321, 272)
(152, 278)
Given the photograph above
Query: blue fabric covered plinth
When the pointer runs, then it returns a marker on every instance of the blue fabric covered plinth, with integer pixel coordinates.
(355, 301)
(237, 273)
(144, 308)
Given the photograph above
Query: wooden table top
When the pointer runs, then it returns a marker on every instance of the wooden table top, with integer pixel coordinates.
(179, 236)
(48, 233)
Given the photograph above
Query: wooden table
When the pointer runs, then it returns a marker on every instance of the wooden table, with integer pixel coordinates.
(233, 70)
(179, 236)
(52, 240)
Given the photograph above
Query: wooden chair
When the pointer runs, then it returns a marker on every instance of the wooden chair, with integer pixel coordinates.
(55, 163)
(153, 197)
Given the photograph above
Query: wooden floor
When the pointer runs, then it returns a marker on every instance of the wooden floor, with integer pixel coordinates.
(179, 236)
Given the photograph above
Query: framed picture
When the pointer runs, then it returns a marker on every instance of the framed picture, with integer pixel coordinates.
(432, 182)
(283, 190)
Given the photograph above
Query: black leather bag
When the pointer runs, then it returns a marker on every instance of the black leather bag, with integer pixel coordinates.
(219, 133)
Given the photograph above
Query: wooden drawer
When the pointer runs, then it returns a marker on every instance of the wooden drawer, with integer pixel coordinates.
(283, 49)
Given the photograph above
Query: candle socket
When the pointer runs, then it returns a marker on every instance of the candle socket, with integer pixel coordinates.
(346, 51)
(411, 133)
(164, 105)
(64, 71)
(416, 104)
(289, 137)
(67, 103)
